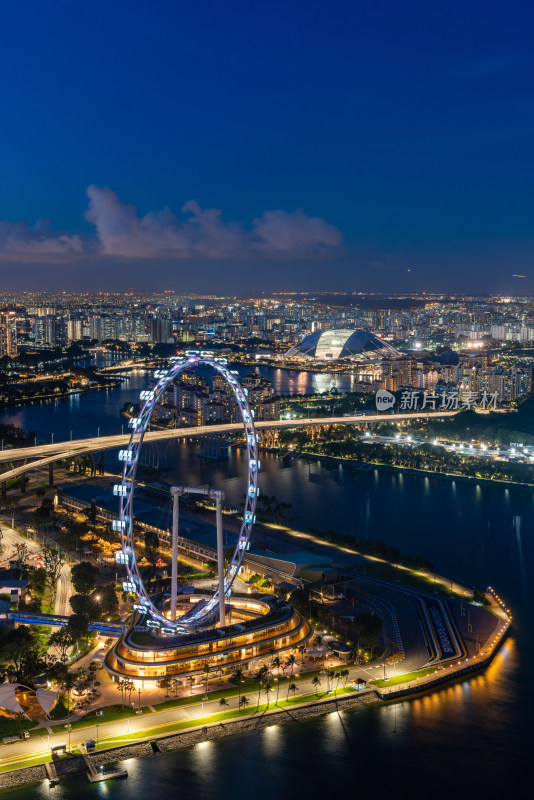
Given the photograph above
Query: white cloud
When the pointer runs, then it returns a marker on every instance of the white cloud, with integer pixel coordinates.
(197, 233)
(279, 231)
(22, 242)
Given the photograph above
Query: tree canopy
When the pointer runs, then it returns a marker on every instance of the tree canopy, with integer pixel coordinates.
(84, 577)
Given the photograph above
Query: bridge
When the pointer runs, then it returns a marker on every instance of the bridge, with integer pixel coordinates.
(48, 454)
(57, 620)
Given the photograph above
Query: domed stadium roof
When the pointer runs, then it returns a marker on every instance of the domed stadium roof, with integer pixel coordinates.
(342, 343)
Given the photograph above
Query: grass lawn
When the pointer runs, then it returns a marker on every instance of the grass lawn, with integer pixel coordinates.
(110, 714)
(80, 653)
(23, 762)
(49, 601)
(248, 686)
(408, 676)
(172, 727)
(60, 710)
(12, 727)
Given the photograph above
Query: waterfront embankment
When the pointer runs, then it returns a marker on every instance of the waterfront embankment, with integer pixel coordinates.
(149, 742)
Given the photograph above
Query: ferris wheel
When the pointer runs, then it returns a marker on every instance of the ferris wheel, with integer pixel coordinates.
(125, 491)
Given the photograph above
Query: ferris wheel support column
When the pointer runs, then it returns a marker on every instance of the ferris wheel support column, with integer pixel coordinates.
(176, 491)
(220, 555)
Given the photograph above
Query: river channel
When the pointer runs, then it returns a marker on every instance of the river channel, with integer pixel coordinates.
(469, 739)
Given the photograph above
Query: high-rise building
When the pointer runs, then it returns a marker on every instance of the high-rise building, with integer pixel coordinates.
(8, 334)
(74, 330)
(160, 330)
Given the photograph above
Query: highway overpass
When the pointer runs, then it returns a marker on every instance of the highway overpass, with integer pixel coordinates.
(49, 453)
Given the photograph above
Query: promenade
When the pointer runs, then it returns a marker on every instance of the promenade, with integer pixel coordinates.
(191, 712)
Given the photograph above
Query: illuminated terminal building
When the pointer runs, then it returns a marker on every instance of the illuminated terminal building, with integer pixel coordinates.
(261, 624)
(355, 345)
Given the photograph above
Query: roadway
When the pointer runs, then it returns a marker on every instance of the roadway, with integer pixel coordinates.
(10, 540)
(49, 453)
(144, 722)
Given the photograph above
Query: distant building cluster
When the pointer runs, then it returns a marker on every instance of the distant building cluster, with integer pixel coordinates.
(386, 342)
(194, 400)
(468, 373)
(380, 366)
(46, 319)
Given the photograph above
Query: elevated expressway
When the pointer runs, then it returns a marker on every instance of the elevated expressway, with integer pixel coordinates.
(43, 455)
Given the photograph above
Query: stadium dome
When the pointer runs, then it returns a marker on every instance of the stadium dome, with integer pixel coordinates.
(342, 343)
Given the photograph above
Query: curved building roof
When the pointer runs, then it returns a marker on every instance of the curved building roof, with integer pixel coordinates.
(342, 343)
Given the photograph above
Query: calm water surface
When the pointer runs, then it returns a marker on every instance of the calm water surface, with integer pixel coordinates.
(471, 739)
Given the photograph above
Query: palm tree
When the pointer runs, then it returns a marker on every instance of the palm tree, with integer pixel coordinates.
(291, 688)
(329, 678)
(129, 689)
(191, 682)
(336, 677)
(316, 682)
(206, 670)
(267, 690)
(302, 649)
(277, 663)
(223, 702)
(121, 686)
(290, 662)
(345, 676)
(243, 702)
(68, 681)
(238, 676)
(261, 675)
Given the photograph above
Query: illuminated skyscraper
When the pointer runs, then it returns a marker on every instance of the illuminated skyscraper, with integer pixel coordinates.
(8, 334)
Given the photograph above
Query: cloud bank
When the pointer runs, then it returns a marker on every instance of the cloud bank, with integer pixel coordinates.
(22, 242)
(119, 232)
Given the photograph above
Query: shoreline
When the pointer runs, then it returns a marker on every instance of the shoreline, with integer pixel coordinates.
(153, 745)
(447, 476)
(55, 396)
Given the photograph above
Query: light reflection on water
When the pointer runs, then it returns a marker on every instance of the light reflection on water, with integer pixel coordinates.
(465, 739)
(461, 736)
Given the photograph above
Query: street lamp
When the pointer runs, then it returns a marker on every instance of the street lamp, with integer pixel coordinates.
(97, 727)
(68, 727)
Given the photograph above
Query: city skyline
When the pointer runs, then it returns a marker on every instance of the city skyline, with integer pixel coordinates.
(378, 149)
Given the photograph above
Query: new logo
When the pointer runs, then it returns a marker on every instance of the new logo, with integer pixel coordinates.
(384, 400)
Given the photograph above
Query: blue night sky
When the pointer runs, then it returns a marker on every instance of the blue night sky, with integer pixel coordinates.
(264, 146)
